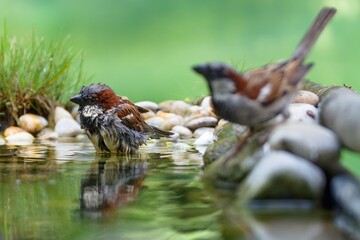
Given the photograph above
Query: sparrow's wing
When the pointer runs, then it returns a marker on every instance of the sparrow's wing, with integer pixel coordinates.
(251, 83)
(124, 100)
(141, 109)
(238, 79)
(131, 117)
(270, 82)
(256, 84)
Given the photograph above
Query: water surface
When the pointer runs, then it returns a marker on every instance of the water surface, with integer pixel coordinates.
(63, 190)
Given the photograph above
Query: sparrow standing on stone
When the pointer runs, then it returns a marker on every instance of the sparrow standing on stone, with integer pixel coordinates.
(113, 123)
(256, 96)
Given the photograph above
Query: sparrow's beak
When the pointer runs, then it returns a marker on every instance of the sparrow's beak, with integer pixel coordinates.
(77, 99)
(201, 69)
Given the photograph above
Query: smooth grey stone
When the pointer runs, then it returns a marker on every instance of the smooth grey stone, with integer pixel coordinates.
(201, 122)
(282, 175)
(183, 132)
(340, 111)
(309, 141)
(345, 190)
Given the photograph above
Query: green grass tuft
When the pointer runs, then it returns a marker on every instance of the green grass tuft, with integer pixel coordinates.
(35, 75)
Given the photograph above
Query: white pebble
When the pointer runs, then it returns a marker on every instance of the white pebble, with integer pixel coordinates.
(60, 113)
(206, 139)
(303, 112)
(183, 132)
(180, 107)
(21, 138)
(206, 102)
(155, 121)
(171, 122)
(174, 137)
(68, 127)
(200, 131)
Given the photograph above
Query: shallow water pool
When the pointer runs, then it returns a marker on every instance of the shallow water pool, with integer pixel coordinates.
(63, 190)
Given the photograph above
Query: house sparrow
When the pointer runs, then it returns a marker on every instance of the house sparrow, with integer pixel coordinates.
(113, 123)
(256, 96)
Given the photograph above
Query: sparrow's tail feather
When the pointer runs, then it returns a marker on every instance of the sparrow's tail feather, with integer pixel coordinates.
(157, 133)
(313, 33)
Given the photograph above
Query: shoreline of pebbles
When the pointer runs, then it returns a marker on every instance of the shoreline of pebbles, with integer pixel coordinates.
(188, 121)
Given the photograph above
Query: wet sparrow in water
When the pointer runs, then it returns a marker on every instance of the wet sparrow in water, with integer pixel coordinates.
(113, 123)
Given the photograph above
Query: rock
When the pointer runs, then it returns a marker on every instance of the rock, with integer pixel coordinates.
(174, 137)
(61, 113)
(229, 129)
(221, 123)
(202, 112)
(303, 112)
(296, 222)
(309, 141)
(75, 111)
(32, 123)
(180, 108)
(345, 190)
(169, 123)
(206, 139)
(165, 115)
(47, 134)
(340, 111)
(346, 225)
(308, 97)
(233, 164)
(282, 175)
(155, 121)
(206, 102)
(21, 138)
(149, 114)
(194, 109)
(12, 130)
(182, 131)
(67, 127)
(148, 105)
(166, 105)
(201, 122)
(198, 132)
(218, 149)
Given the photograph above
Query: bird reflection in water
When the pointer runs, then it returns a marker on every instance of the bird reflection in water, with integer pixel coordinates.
(113, 181)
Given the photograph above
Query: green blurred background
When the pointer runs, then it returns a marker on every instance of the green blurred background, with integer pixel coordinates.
(144, 49)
